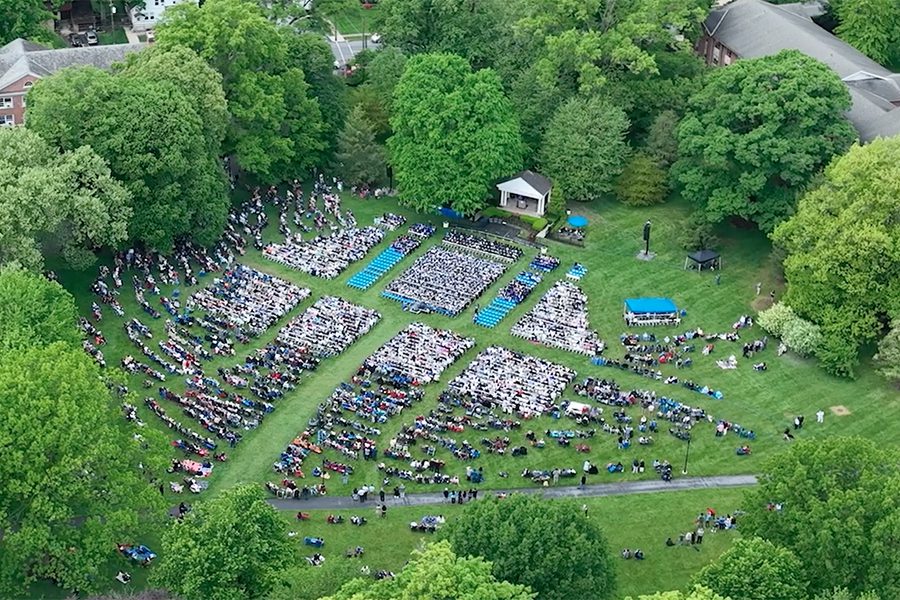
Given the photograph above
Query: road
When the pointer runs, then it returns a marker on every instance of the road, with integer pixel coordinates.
(590, 491)
(345, 49)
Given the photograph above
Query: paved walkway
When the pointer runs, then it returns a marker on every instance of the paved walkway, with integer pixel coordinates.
(569, 491)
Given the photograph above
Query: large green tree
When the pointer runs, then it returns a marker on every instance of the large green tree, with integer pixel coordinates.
(436, 572)
(360, 158)
(754, 569)
(642, 183)
(34, 311)
(69, 200)
(149, 125)
(275, 130)
(231, 547)
(584, 148)
(698, 593)
(887, 360)
(843, 245)
(757, 133)
(468, 28)
(835, 503)
(454, 134)
(871, 26)
(549, 546)
(26, 19)
(70, 483)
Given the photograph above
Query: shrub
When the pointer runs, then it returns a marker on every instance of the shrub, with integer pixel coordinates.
(537, 223)
(775, 318)
(802, 336)
(798, 334)
(495, 211)
(642, 183)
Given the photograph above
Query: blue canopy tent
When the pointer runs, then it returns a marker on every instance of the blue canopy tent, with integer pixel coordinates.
(577, 221)
(651, 311)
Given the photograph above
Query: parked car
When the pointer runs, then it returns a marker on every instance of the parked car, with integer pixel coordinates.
(151, 37)
(78, 40)
(376, 38)
(91, 37)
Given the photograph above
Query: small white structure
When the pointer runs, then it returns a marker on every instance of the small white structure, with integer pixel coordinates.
(527, 193)
(148, 17)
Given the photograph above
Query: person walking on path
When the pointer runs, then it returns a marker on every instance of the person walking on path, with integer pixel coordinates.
(381, 495)
(402, 489)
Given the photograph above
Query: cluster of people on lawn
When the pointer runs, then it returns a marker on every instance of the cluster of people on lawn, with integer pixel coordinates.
(328, 327)
(445, 280)
(516, 383)
(326, 256)
(560, 320)
(482, 245)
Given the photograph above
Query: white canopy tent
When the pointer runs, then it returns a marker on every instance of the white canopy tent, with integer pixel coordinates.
(529, 192)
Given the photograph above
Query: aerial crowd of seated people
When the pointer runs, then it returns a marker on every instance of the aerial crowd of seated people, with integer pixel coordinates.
(445, 280)
(419, 352)
(482, 245)
(328, 327)
(560, 320)
(514, 382)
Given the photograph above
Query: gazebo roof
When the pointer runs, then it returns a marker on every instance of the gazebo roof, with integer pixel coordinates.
(527, 183)
(703, 256)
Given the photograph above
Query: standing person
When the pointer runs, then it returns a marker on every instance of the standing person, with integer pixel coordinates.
(820, 416)
(381, 495)
(758, 288)
(446, 494)
(718, 278)
(383, 511)
(584, 509)
(583, 482)
(555, 476)
(402, 489)
(699, 535)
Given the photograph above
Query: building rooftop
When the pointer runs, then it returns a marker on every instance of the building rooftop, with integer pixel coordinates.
(21, 57)
(754, 28)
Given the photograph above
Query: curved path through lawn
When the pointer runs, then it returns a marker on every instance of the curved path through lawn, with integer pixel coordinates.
(589, 491)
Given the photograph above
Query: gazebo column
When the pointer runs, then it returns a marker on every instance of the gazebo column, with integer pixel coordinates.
(504, 197)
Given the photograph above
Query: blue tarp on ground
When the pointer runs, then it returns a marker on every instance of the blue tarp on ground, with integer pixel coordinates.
(450, 213)
(642, 306)
(577, 221)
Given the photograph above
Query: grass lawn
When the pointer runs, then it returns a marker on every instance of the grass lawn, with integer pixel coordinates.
(764, 402)
(116, 36)
(357, 19)
(641, 521)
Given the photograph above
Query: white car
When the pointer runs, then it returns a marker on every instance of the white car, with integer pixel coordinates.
(376, 38)
(91, 36)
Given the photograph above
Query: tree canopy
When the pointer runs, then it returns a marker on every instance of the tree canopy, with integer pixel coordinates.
(759, 131)
(698, 593)
(754, 569)
(584, 147)
(454, 134)
(153, 122)
(834, 503)
(871, 26)
(34, 311)
(25, 19)
(843, 255)
(361, 160)
(471, 29)
(436, 572)
(552, 547)
(231, 547)
(276, 124)
(68, 199)
(65, 503)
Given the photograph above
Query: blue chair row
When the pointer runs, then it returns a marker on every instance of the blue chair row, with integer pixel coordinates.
(380, 265)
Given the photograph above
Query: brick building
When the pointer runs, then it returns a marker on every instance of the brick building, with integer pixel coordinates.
(754, 28)
(23, 62)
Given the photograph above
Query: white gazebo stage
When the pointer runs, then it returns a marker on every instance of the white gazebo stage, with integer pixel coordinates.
(527, 193)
